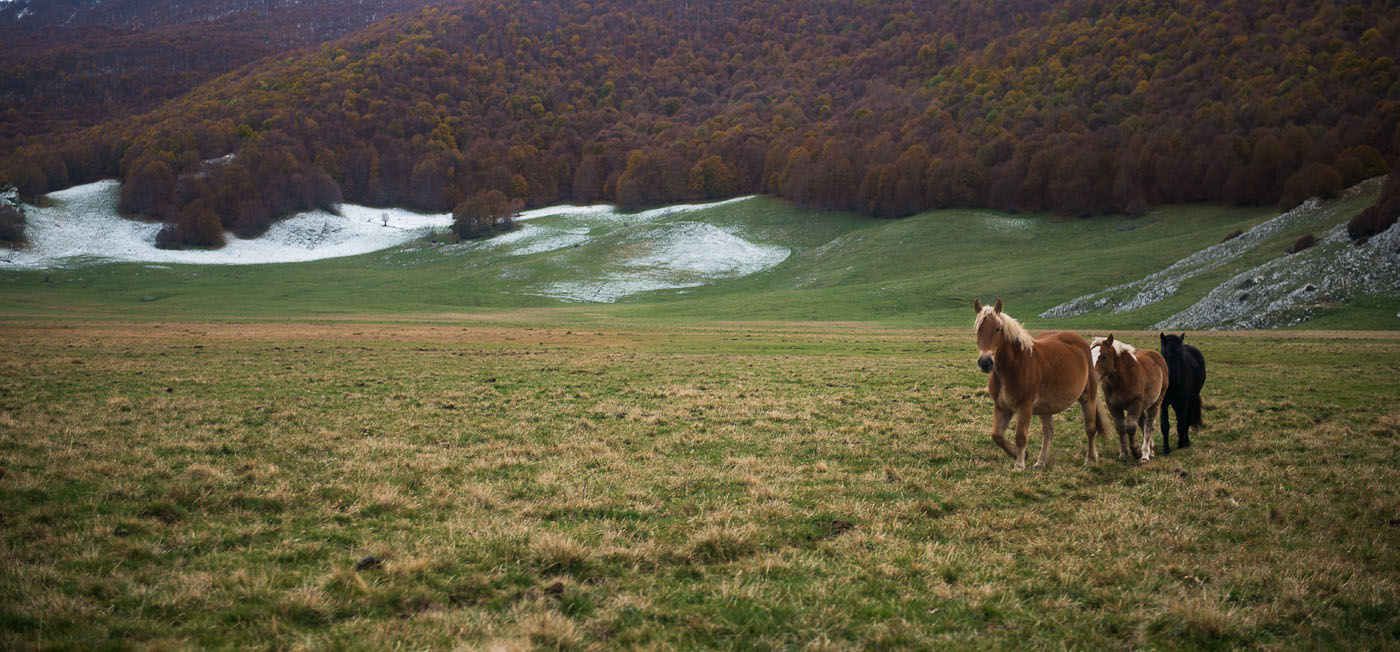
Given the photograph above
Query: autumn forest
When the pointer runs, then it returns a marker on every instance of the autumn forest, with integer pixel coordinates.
(886, 108)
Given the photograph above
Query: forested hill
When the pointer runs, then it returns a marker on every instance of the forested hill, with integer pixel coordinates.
(1077, 106)
(67, 64)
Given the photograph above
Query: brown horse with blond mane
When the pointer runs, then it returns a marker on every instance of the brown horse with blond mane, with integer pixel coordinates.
(1043, 376)
(1134, 383)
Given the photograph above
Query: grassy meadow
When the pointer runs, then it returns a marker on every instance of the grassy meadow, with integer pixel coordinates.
(918, 272)
(824, 486)
(409, 449)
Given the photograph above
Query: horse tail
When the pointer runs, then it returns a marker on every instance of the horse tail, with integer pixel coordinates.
(1194, 410)
(1101, 419)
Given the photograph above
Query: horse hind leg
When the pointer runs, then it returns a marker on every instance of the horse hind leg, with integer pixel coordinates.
(1166, 427)
(1183, 420)
(1047, 432)
(1193, 418)
(1148, 419)
(1094, 423)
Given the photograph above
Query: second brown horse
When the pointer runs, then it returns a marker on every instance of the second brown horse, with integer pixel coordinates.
(1134, 382)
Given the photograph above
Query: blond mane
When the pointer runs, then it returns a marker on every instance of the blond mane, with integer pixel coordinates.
(1010, 328)
(1120, 347)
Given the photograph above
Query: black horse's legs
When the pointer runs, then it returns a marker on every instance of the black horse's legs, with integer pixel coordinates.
(1183, 426)
(1166, 425)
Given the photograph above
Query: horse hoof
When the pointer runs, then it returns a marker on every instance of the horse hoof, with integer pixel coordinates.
(1185, 444)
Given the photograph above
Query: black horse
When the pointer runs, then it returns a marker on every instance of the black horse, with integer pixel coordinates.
(1186, 374)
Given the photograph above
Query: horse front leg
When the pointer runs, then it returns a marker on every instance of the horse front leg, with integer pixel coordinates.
(1047, 432)
(1091, 425)
(1122, 429)
(1132, 417)
(1023, 426)
(1000, 417)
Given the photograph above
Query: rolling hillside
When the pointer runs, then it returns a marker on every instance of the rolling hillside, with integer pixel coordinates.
(754, 258)
(66, 65)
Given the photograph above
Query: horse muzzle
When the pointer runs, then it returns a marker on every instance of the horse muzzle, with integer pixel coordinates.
(985, 363)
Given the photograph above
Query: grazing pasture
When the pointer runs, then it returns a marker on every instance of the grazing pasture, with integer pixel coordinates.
(526, 483)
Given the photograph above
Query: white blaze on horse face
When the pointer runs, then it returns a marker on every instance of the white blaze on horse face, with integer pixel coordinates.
(1096, 349)
(986, 346)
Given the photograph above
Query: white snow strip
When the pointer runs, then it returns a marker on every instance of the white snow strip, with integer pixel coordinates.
(671, 256)
(704, 250)
(595, 209)
(534, 238)
(82, 227)
(610, 213)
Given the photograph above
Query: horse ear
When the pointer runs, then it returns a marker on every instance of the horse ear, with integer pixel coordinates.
(1108, 341)
(997, 308)
(1163, 337)
(977, 305)
(1183, 337)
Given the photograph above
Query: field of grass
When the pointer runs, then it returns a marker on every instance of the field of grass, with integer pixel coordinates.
(523, 482)
(413, 449)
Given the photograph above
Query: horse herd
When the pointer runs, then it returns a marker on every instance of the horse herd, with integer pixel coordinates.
(1045, 375)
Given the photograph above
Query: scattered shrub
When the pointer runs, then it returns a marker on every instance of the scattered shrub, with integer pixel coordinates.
(11, 226)
(1303, 243)
(1379, 217)
(1313, 180)
(194, 225)
(487, 212)
(1232, 235)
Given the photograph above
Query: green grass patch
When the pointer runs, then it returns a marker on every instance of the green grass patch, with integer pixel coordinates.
(920, 271)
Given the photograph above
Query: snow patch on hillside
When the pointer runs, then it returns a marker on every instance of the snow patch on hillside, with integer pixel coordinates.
(81, 226)
(612, 214)
(528, 239)
(670, 256)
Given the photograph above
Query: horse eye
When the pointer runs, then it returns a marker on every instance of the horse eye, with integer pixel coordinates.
(998, 329)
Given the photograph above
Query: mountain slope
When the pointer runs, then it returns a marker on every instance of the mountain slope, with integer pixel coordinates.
(886, 108)
(69, 65)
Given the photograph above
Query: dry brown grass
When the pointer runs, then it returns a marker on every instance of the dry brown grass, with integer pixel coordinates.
(768, 486)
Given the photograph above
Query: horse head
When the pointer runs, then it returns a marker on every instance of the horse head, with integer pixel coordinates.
(1172, 345)
(1104, 354)
(989, 329)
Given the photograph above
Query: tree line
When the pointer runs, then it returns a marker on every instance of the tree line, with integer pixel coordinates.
(68, 65)
(889, 108)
